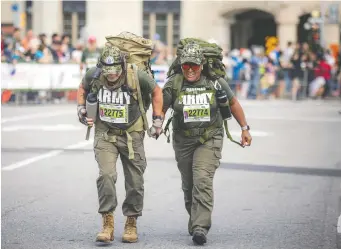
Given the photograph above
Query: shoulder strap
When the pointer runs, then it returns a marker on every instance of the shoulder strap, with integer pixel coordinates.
(139, 98)
(176, 89)
(95, 81)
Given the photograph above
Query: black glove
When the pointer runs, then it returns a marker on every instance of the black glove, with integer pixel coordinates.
(221, 96)
(81, 112)
(156, 128)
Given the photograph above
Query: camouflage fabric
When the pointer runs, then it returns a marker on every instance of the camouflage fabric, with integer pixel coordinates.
(192, 53)
(213, 67)
(111, 60)
(137, 50)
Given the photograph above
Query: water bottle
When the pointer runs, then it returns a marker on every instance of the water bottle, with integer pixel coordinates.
(91, 110)
(222, 100)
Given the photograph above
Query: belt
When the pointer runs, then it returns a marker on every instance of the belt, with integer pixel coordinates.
(117, 132)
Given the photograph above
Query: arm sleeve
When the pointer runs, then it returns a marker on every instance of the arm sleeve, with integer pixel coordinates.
(167, 94)
(227, 89)
(147, 83)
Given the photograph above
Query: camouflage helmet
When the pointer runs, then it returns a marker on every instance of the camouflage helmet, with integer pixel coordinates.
(111, 59)
(192, 53)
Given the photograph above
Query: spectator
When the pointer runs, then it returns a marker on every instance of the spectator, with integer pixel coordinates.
(90, 54)
(32, 53)
(268, 79)
(296, 74)
(76, 55)
(26, 41)
(66, 47)
(55, 38)
(323, 69)
(56, 51)
(285, 63)
(255, 63)
(42, 38)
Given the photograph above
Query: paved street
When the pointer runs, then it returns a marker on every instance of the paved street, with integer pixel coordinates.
(282, 192)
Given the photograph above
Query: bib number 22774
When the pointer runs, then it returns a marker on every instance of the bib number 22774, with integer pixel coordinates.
(196, 113)
(117, 114)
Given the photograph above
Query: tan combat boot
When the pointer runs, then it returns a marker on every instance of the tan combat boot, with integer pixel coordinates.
(130, 231)
(107, 233)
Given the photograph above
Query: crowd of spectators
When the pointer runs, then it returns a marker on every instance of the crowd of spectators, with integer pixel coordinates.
(34, 48)
(296, 71)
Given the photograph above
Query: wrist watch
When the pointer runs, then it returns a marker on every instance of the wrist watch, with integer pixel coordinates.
(245, 128)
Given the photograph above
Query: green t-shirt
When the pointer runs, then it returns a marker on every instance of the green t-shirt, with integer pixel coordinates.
(167, 91)
(196, 106)
(90, 58)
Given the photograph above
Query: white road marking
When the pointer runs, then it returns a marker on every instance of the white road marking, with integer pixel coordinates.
(49, 154)
(57, 127)
(38, 115)
(339, 225)
(69, 127)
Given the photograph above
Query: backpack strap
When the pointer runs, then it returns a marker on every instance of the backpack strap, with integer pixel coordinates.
(139, 97)
(206, 136)
(176, 89)
(95, 83)
(228, 134)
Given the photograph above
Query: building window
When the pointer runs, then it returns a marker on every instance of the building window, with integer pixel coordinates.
(74, 18)
(81, 22)
(162, 18)
(146, 25)
(176, 29)
(28, 12)
(161, 27)
(67, 23)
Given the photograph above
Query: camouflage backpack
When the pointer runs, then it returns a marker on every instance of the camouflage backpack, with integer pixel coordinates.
(137, 50)
(213, 65)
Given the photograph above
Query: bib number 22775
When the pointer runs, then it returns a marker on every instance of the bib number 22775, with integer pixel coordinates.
(196, 113)
(117, 114)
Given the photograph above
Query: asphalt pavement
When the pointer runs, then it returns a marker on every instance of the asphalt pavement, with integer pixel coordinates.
(282, 192)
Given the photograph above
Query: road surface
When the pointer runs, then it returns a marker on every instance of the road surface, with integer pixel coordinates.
(282, 192)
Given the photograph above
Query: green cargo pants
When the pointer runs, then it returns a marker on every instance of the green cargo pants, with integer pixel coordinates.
(197, 164)
(107, 148)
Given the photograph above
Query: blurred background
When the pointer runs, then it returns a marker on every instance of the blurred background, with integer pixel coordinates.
(272, 49)
(282, 60)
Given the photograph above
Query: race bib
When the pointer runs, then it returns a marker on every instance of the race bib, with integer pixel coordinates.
(197, 113)
(113, 113)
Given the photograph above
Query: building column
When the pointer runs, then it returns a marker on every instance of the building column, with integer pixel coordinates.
(105, 18)
(47, 17)
(286, 31)
(74, 28)
(170, 31)
(222, 32)
(331, 34)
(152, 25)
(227, 32)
